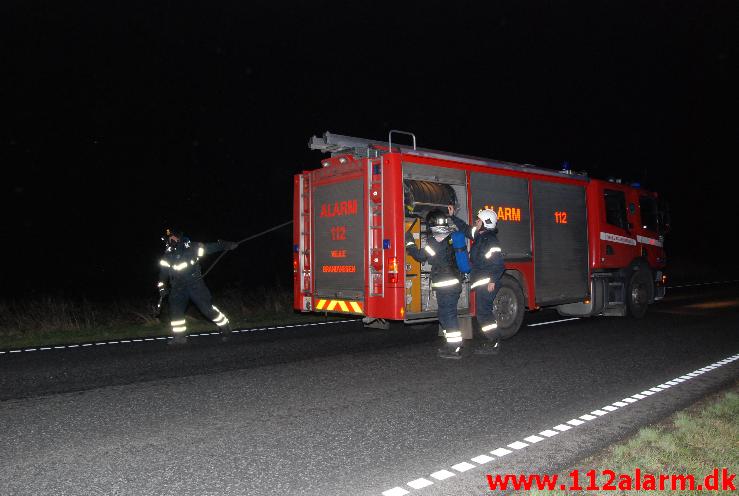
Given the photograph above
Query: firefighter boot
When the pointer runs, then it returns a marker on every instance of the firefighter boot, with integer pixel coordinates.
(178, 340)
(225, 333)
(451, 350)
(490, 346)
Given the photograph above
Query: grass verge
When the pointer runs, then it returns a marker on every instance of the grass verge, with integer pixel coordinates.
(694, 441)
(56, 320)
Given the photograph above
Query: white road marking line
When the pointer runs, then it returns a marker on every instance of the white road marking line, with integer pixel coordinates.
(695, 284)
(420, 483)
(463, 467)
(609, 408)
(162, 338)
(442, 475)
(553, 322)
(482, 459)
(501, 452)
(396, 491)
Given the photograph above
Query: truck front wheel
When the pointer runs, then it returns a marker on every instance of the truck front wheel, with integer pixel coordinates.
(638, 293)
(509, 307)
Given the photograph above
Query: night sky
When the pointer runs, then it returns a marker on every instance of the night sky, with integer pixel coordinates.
(120, 118)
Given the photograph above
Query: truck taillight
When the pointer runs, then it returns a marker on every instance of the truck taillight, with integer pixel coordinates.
(392, 270)
(295, 266)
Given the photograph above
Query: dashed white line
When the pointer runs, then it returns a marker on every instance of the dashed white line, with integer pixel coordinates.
(553, 322)
(501, 452)
(419, 483)
(573, 423)
(164, 338)
(396, 491)
(482, 459)
(463, 467)
(442, 475)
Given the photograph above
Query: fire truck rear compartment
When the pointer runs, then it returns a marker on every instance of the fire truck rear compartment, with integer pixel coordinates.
(427, 188)
(339, 219)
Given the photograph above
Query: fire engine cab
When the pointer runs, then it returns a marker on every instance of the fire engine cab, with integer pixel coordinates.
(584, 246)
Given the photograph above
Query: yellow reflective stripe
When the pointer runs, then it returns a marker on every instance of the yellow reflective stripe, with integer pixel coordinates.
(164, 263)
(454, 340)
(443, 284)
(489, 327)
(179, 329)
(201, 251)
(494, 249)
(429, 250)
(453, 334)
(472, 234)
(331, 305)
(160, 284)
(180, 266)
(480, 282)
(177, 322)
(343, 306)
(225, 321)
(355, 306)
(320, 304)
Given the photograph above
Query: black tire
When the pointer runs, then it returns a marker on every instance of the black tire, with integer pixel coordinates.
(638, 292)
(509, 307)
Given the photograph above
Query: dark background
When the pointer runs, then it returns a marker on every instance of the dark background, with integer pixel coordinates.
(121, 118)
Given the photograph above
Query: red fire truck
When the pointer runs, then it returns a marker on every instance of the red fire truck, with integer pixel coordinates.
(584, 246)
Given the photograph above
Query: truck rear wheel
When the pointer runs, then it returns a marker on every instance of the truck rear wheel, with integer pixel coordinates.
(509, 307)
(638, 293)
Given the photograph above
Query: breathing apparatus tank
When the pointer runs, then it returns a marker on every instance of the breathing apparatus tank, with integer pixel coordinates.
(459, 243)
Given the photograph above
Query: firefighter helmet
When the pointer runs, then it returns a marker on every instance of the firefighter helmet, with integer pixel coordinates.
(179, 238)
(437, 222)
(488, 217)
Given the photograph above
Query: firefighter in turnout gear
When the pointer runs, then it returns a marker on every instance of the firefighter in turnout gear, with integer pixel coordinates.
(180, 275)
(488, 267)
(446, 280)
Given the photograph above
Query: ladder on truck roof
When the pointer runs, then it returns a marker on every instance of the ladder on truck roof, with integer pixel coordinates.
(338, 144)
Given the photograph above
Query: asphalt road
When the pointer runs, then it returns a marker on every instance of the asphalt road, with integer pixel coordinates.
(336, 409)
